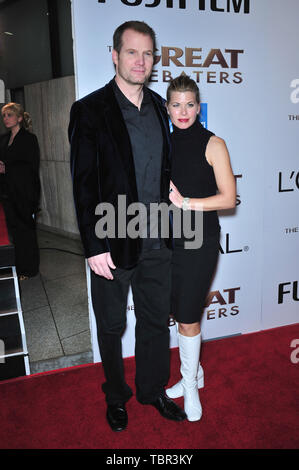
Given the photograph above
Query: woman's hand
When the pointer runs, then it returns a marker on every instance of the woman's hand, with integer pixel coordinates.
(175, 196)
(2, 168)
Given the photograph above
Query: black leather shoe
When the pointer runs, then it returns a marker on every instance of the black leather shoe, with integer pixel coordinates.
(117, 417)
(168, 408)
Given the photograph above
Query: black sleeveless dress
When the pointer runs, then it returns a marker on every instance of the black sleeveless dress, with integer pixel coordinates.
(193, 269)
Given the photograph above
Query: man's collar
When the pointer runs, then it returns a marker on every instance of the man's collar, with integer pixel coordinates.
(124, 101)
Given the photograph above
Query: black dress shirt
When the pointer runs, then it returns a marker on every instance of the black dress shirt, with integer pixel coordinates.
(147, 145)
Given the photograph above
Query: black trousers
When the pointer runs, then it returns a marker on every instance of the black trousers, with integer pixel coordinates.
(22, 228)
(150, 282)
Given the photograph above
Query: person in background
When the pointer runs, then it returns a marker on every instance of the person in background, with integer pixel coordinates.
(201, 180)
(20, 186)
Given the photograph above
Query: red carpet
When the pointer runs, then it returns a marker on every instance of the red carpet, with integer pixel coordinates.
(250, 401)
(4, 240)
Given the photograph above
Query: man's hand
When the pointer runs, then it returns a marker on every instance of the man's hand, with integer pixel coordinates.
(2, 168)
(101, 264)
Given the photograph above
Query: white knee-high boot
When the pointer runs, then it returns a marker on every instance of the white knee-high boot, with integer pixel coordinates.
(189, 354)
(176, 391)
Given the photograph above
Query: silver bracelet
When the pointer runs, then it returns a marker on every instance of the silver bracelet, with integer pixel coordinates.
(185, 204)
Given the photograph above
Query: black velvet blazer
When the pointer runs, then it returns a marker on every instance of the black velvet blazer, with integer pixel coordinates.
(102, 168)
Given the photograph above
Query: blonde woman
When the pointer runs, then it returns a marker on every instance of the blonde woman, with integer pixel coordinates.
(201, 180)
(20, 186)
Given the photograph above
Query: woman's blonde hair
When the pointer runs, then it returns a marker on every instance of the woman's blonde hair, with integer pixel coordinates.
(19, 111)
(183, 83)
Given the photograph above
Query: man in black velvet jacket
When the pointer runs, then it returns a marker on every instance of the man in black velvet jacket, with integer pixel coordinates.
(119, 138)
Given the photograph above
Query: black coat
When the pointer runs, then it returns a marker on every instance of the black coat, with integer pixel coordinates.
(21, 183)
(102, 168)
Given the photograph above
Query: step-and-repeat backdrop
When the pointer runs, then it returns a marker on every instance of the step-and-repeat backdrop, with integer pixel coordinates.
(244, 56)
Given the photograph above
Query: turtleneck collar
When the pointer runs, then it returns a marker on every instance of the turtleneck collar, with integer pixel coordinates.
(189, 131)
